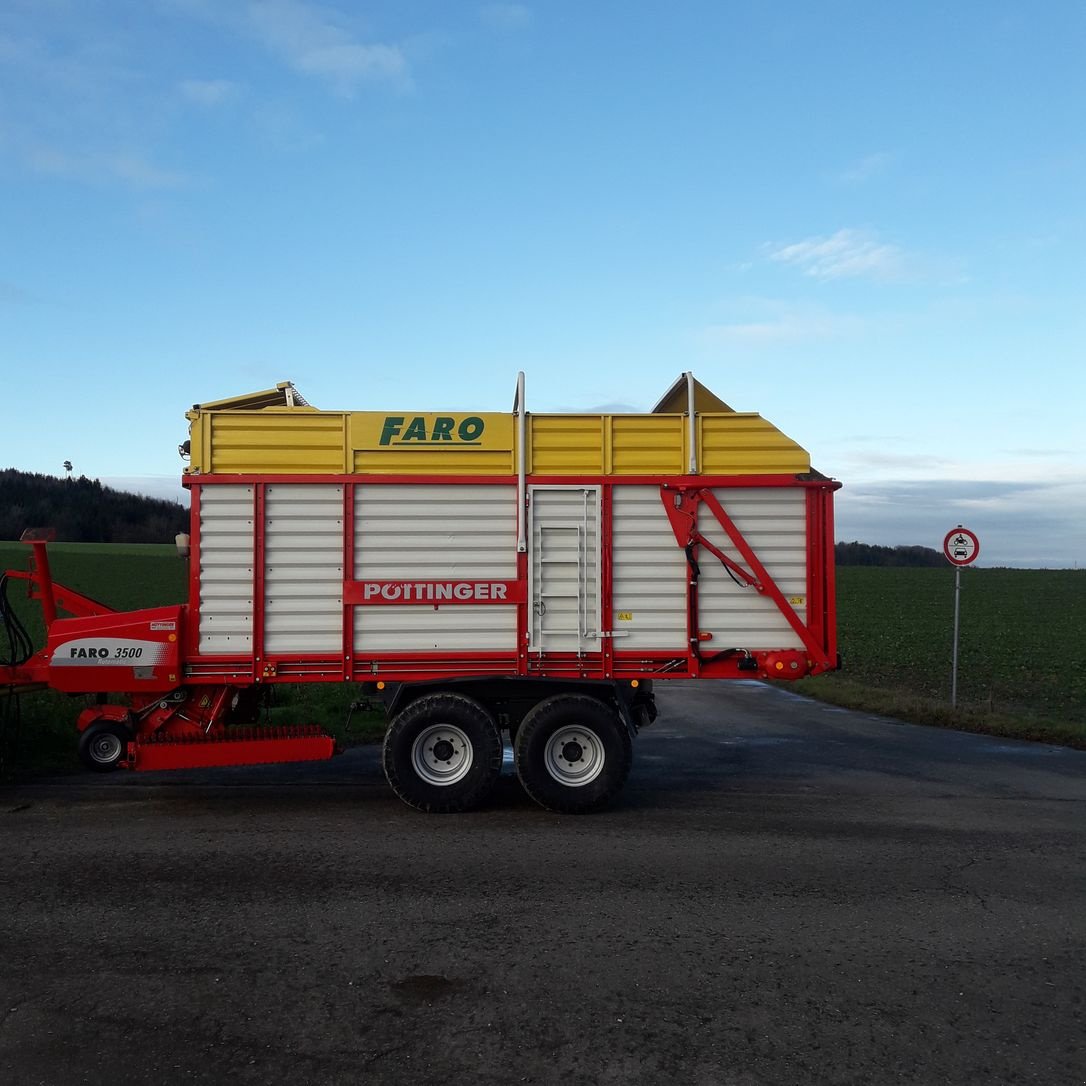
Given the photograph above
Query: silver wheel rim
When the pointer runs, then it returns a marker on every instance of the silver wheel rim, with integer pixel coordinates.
(442, 754)
(574, 756)
(106, 748)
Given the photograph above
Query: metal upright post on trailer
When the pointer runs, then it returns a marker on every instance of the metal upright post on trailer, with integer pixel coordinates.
(691, 415)
(522, 468)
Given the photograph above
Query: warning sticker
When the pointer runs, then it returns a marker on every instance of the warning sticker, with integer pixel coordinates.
(624, 616)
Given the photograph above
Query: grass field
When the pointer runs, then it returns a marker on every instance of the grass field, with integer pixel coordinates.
(1020, 663)
(1021, 666)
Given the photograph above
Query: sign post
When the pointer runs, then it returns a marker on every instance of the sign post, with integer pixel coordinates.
(961, 548)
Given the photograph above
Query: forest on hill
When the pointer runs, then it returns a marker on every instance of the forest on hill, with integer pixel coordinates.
(84, 511)
(866, 554)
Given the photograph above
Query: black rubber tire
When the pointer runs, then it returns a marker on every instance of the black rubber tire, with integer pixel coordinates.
(601, 723)
(484, 765)
(103, 745)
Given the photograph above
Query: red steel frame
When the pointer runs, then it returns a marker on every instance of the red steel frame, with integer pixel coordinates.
(196, 670)
(180, 703)
(817, 634)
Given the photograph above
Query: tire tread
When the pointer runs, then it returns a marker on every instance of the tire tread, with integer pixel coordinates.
(434, 799)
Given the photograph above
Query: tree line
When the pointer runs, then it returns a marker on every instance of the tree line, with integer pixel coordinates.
(867, 554)
(84, 511)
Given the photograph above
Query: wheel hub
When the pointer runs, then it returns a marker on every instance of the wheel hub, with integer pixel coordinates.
(574, 756)
(443, 751)
(442, 754)
(105, 748)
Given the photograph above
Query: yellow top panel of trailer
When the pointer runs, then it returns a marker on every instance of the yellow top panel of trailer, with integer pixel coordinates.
(235, 436)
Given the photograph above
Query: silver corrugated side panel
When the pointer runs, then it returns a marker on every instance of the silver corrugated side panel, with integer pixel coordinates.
(773, 520)
(226, 569)
(303, 568)
(426, 532)
(648, 573)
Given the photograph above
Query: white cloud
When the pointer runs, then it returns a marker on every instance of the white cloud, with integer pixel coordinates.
(126, 166)
(846, 254)
(207, 92)
(140, 173)
(78, 104)
(11, 294)
(897, 460)
(884, 464)
(869, 166)
(1037, 523)
(612, 407)
(1041, 454)
(319, 42)
(505, 16)
(763, 322)
(285, 128)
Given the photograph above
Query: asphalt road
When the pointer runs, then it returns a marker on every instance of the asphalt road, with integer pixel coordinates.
(786, 893)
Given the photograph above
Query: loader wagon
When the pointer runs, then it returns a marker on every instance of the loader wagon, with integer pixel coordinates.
(525, 573)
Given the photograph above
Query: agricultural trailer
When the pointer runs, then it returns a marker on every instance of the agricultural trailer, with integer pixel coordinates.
(528, 573)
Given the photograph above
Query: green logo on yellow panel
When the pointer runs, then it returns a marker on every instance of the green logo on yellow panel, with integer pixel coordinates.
(398, 430)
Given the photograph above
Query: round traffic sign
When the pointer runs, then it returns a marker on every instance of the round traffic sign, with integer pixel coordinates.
(961, 546)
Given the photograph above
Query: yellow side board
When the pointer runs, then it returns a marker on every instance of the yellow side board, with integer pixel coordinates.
(301, 440)
(431, 444)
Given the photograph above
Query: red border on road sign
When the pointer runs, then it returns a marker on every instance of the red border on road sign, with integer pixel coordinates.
(950, 554)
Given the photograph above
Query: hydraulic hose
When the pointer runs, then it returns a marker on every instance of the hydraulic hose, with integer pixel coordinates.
(19, 646)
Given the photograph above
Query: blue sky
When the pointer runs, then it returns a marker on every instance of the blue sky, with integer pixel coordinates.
(863, 220)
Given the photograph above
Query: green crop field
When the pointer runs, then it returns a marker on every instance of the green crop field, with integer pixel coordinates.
(1021, 667)
(1020, 663)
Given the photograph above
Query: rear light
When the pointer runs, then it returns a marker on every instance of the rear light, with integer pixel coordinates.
(788, 664)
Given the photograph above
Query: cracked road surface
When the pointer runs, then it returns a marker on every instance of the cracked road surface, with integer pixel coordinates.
(785, 893)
